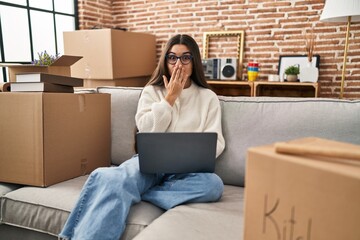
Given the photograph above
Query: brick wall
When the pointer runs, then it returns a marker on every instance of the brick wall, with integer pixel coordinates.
(272, 28)
(95, 14)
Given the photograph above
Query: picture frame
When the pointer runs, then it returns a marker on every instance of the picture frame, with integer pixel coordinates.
(300, 60)
(240, 46)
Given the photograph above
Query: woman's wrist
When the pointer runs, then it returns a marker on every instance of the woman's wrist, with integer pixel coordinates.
(170, 99)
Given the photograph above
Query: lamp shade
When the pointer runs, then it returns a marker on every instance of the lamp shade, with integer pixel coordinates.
(339, 11)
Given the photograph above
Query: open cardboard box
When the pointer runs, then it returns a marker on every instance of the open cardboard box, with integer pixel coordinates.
(48, 138)
(60, 67)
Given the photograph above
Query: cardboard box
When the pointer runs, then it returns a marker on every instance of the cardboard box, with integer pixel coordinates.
(46, 138)
(304, 197)
(111, 54)
(60, 67)
(124, 82)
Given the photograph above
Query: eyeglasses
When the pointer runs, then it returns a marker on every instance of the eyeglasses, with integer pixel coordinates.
(185, 59)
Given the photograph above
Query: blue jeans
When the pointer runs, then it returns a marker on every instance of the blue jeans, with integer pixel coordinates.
(108, 194)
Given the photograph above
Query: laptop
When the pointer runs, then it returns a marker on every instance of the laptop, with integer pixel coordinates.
(176, 152)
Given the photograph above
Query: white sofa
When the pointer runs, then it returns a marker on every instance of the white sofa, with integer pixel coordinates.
(40, 213)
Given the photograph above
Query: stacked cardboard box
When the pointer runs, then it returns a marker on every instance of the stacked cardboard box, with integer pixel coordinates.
(46, 138)
(111, 57)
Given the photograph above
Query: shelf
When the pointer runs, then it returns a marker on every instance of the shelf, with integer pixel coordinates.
(232, 88)
(262, 88)
(286, 89)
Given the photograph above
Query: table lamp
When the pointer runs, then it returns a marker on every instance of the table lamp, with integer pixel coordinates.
(342, 11)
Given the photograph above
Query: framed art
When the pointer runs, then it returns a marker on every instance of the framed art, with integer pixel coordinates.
(298, 60)
(240, 45)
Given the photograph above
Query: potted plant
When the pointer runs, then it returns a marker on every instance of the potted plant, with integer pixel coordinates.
(45, 59)
(310, 72)
(291, 73)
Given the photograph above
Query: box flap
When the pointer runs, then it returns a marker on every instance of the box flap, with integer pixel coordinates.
(19, 65)
(9, 64)
(66, 60)
(319, 147)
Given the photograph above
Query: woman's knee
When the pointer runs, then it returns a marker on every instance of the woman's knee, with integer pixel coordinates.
(217, 186)
(127, 168)
(102, 174)
(214, 187)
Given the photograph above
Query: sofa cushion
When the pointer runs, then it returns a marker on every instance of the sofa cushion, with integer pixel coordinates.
(249, 122)
(14, 233)
(7, 187)
(46, 209)
(214, 221)
(124, 101)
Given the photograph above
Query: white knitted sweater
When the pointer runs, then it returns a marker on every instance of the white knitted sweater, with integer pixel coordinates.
(196, 110)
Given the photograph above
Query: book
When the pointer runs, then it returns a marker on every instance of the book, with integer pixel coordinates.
(5, 87)
(49, 78)
(40, 87)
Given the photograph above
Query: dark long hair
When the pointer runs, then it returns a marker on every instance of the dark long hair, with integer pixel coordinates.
(197, 74)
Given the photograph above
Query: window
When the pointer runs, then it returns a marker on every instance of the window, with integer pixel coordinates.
(29, 27)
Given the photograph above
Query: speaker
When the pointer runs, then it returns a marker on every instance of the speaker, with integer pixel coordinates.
(211, 68)
(228, 68)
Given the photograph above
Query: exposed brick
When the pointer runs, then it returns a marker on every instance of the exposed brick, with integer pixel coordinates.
(205, 3)
(265, 49)
(304, 13)
(271, 15)
(293, 20)
(296, 25)
(216, 18)
(309, 2)
(245, 6)
(287, 32)
(298, 44)
(229, 3)
(353, 53)
(262, 1)
(263, 10)
(266, 26)
(265, 44)
(269, 38)
(258, 33)
(333, 36)
(293, 9)
(210, 13)
(277, 4)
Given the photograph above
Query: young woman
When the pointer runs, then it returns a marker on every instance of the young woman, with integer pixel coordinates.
(176, 99)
